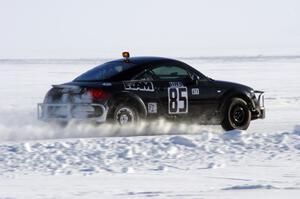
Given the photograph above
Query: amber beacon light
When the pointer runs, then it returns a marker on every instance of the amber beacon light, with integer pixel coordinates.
(126, 55)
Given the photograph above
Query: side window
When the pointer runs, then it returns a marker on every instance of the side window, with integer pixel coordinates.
(170, 72)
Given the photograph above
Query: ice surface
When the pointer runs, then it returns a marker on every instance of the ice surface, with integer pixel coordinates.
(39, 160)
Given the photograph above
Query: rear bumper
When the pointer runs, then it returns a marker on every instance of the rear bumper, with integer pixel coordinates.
(66, 112)
(259, 111)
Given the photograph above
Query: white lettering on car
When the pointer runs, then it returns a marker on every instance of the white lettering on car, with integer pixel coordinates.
(195, 91)
(139, 86)
(175, 84)
(177, 100)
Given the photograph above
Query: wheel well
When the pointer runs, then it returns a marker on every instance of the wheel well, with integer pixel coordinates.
(237, 95)
(127, 98)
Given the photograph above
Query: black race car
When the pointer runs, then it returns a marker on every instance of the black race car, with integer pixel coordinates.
(137, 88)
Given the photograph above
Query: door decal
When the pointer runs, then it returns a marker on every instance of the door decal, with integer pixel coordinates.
(195, 91)
(177, 100)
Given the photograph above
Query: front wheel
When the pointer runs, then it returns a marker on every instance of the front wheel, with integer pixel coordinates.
(237, 115)
(125, 114)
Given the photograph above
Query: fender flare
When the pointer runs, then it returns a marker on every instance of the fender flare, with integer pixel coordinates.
(235, 94)
(125, 97)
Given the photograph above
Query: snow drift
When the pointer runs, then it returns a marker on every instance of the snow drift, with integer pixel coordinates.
(129, 154)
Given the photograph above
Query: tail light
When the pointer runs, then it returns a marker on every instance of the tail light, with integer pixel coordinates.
(98, 94)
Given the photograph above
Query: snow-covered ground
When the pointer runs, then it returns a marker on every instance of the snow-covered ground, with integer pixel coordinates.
(39, 160)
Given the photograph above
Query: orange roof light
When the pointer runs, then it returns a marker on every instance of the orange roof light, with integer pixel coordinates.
(126, 55)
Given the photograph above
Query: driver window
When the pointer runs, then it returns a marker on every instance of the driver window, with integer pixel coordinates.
(170, 72)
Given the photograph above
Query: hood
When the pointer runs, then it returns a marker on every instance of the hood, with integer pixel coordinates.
(232, 85)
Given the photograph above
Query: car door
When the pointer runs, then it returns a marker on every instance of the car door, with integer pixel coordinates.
(172, 87)
(170, 96)
(179, 91)
(183, 92)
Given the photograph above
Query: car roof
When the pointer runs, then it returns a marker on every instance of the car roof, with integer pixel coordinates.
(146, 59)
(139, 64)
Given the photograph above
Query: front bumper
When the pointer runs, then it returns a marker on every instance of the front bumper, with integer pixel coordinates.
(259, 111)
(66, 112)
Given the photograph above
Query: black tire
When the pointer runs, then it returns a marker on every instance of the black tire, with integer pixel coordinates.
(125, 114)
(236, 115)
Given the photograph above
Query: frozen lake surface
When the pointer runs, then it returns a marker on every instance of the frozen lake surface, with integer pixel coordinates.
(39, 160)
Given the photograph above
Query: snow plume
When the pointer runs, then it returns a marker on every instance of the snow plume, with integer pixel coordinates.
(23, 125)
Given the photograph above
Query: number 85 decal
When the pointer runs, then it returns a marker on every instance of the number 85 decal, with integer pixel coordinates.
(178, 100)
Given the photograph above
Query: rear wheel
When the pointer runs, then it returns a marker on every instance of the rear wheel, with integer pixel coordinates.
(125, 114)
(237, 115)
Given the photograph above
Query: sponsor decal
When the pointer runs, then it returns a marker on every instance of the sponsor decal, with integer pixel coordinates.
(152, 107)
(176, 84)
(195, 91)
(139, 86)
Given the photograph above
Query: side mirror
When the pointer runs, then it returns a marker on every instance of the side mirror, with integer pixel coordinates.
(195, 79)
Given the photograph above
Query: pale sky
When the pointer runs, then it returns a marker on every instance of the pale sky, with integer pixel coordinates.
(96, 28)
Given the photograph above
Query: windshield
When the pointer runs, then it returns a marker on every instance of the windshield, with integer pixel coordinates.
(104, 71)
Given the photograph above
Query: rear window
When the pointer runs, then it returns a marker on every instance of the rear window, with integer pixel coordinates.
(104, 72)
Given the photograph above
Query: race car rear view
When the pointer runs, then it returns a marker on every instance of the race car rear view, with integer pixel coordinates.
(143, 88)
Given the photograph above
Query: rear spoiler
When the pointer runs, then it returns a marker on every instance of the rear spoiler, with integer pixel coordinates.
(68, 88)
